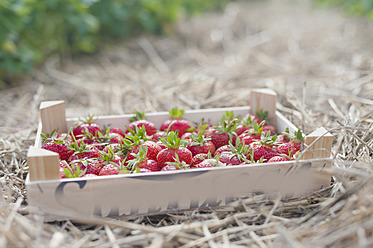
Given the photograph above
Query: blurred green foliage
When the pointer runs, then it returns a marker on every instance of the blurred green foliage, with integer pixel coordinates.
(33, 30)
(355, 7)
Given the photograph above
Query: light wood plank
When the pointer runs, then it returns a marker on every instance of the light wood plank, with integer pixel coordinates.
(264, 99)
(320, 144)
(43, 164)
(53, 116)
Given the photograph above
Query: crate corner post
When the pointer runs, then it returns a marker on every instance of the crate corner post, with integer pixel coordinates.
(319, 144)
(264, 99)
(53, 116)
(43, 164)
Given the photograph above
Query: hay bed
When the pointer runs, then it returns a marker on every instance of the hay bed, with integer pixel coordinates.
(319, 62)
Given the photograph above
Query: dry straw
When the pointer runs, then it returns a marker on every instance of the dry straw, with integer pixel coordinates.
(213, 61)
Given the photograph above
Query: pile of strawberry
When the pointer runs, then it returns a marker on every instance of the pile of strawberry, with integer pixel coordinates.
(89, 151)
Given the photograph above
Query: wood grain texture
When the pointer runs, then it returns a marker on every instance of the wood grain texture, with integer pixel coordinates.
(53, 116)
(264, 99)
(43, 164)
(320, 144)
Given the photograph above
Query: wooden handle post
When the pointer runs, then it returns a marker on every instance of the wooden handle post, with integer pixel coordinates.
(322, 146)
(43, 164)
(53, 116)
(264, 99)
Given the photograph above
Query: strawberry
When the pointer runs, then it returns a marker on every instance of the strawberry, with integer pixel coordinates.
(158, 134)
(187, 136)
(83, 151)
(235, 155)
(250, 135)
(269, 128)
(114, 169)
(278, 158)
(141, 160)
(139, 121)
(73, 170)
(117, 130)
(169, 167)
(244, 125)
(65, 136)
(109, 169)
(174, 149)
(152, 149)
(176, 164)
(91, 166)
(200, 144)
(176, 123)
(58, 145)
(111, 157)
(210, 162)
(220, 150)
(294, 144)
(86, 126)
(198, 159)
(223, 133)
(90, 175)
(264, 148)
(161, 145)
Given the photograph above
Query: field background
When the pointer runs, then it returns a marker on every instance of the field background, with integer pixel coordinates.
(318, 60)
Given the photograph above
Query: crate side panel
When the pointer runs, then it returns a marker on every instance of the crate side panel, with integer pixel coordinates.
(117, 196)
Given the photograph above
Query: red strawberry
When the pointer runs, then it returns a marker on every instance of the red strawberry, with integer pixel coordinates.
(169, 167)
(234, 155)
(84, 151)
(93, 166)
(220, 150)
(139, 121)
(264, 148)
(198, 159)
(229, 158)
(117, 130)
(62, 173)
(109, 169)
(176, 123)
(159, 134)
(86, 126)
(65, 136)
(151, 165)
(187, 136)
(173, 144)
(244, 125)
(152, 150)
(252, 134)
(203, 164)
(113, 169)
(161, 145)
(223, 133)
(150, 127)
(199, 144)
(58, 145)
(294, 144)
(278, 159)
(141, 160)
(269, 128)
(210, 162)
(90, 175)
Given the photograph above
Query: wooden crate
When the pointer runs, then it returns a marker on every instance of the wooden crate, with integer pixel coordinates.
(158, 192)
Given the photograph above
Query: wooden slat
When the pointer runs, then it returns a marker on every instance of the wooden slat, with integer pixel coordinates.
(322, 147)
(264, 99)
(53, 116)
(43, 164)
